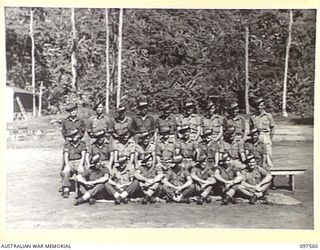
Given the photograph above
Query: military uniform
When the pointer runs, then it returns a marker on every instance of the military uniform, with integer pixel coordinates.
(103, 150)
(258, 149)
(238, 122)
(187, 149)
(138, 188)
(75, 152)
(166, 150)
(169, 121)
(97, 123)
(234, 149)
(70, 124)
(196, 188)
(193, 120)
(125, 149)
(264, 123)
(215, 122)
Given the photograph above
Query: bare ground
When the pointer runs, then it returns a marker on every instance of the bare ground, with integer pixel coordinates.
(33, 200)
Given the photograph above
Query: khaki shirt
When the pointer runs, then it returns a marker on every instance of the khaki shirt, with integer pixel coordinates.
(237, 122)
(150, 173)
(178, 178)
(255, 176)
(214, 123)
(257, 149)
(234, 149)
(96, 123)
(74, 150)
(186, 148)
(193, 121)
(121, 177)
(69, 124)
(124, 126)
(142, 151)
(203, 174)
(125, 149)
(166, 149)
(104, 150)
(263, 122)
(170, 122)
(145, 124)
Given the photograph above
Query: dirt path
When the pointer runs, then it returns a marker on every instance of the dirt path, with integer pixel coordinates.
(33, 200)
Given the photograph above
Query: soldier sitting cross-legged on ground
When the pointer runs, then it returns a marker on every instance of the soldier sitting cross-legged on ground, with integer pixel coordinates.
(92, 182)
(203, 180)
(176, 182)
(228, 177)
(256, 180)
(147, 180)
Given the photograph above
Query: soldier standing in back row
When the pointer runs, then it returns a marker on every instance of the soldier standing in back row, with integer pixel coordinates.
(166, 119)
(190, 118)
(99, 122)
(264, 122)
(235, 120)
(122, 124)
(144, 122)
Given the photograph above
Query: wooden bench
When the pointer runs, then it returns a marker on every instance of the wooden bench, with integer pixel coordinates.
(290, 172)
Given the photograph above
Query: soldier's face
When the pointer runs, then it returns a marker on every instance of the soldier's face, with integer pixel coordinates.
(165, 136)
(261, 106)
(212, 110)
(146, 140)
(186, 135)
(100, 140)
(255, 136)
(143, 111)
(166, 112)
(99, 109)
(149, 163)
(252, 164)
(73, 113)
(235, 111)
(188, 111)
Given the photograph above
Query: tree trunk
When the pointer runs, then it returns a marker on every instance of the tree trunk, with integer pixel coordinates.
(33, 79)
(246, 94)
(107, 64)
(73, 55)
(119, 58)
(284, 97)
(40, 99)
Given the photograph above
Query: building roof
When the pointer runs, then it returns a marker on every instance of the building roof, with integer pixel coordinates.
(18, 90)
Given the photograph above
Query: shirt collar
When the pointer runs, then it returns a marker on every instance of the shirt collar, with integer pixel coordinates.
(73, 120)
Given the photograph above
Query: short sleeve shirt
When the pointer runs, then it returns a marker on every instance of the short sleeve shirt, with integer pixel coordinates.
(178, 178)
(192, 120)
(96, 123)
(92, 175)
(142, 151)
(214, 123)
(165, 150)
(237, 122)
(150, 173)
(206, 150)
(122, 177)
(124, 126)
(187, 148)
(74, 150)
(103, 150)
(255, 176)
(263, 122)
(69, 124)
(169, 121)
(257, 149)
(234, 149)
(203, 174)
(228, 173)
(125, 149)
(145, 124)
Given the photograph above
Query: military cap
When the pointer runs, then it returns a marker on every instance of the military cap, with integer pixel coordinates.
(233, 106)
(95, 159)
(71, 106)
(164, 130)
(258, 101)
(165, 106)
(143, 134)
(100, 133)
(189, 104)
(177, 159)
(206, 132)
(96, 104)
(254, 131)
(146, 158)
(121, 159)
(209, 105)
(230, 130)
(201, 158)
(142, 104)
(121, 108)
(184, 128)
(249, 158)
(72, 133)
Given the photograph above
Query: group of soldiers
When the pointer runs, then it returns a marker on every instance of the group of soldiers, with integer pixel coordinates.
(169, 157)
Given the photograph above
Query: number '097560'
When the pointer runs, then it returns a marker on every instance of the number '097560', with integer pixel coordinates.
(308, 245)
